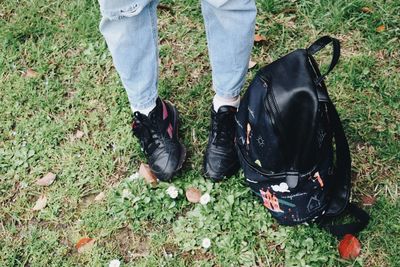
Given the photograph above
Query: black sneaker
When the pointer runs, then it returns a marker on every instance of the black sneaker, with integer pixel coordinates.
(221, 159)
(158, 136)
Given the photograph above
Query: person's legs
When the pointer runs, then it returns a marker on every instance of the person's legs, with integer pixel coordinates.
(230, 34)
(130, 30)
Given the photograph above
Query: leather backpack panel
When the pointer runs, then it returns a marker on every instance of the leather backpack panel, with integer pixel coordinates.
(285, 140)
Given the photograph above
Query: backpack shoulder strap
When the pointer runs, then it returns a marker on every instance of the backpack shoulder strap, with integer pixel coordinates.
(341, 192)
(320, 44)
(342, 174)
(339, 230)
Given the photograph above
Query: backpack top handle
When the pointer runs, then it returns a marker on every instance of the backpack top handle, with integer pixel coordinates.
(320, 44)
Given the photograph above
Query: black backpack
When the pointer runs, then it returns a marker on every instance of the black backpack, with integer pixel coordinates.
(292, 146)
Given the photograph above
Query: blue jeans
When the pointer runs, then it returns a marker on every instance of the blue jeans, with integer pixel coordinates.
(130, 30)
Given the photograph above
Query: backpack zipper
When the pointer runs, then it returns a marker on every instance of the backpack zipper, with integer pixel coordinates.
(270, 105)
(272, 109)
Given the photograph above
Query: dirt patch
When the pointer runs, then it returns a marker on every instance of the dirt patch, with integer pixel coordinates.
(376, 259)
(86, 201)
(129, 245)
(351, 44)
(378, 172)
(197, 255)
(119, 173)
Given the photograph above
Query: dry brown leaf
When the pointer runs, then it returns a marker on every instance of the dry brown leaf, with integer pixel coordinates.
(79, 134)
(252, 64)
(368, 200)
(30, 73)
(380, 28)
(193, 195)
(291, 24)
(84, 244)
(259, 38)
(40, 203)
(100, 196)
(366, 9)
(147, 174)
(46, 180)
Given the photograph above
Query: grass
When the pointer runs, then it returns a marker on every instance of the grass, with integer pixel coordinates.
(77, 88)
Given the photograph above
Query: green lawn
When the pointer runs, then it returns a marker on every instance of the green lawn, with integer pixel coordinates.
(77, 88)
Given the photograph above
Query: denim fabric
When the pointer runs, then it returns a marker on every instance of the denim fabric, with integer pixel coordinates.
(130, 30)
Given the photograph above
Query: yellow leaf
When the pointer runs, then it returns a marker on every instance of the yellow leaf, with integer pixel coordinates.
(40, 203)
(46, 180)
(147, 174)
(366, 9)
(193, 195)
(30, 73)
(252, 64)
(84, 244)
(259, 38)
(79, 134)
(100, 196)
(380, 28)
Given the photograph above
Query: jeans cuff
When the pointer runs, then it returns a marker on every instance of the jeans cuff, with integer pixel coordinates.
(144, 104)
(229, 93)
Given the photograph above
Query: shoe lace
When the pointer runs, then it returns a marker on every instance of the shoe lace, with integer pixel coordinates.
(147, 131)
(223, 129)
